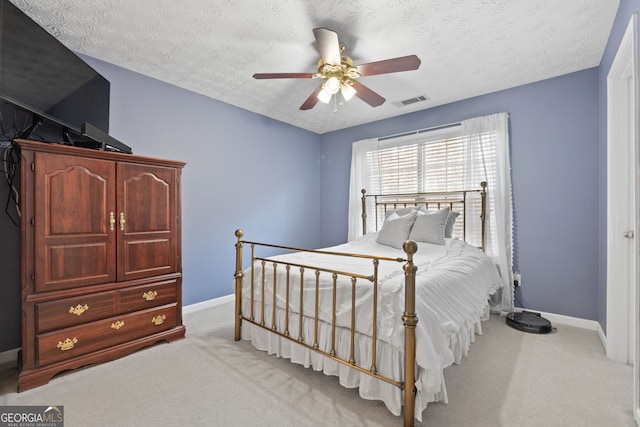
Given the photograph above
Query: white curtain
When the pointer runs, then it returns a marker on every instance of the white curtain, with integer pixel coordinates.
(484, 137)
(486, 147)
(359, 180)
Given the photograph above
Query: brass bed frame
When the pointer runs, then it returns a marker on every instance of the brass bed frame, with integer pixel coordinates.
(381, 203)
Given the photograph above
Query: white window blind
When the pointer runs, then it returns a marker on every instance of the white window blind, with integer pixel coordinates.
(425, 165)
(433, 162)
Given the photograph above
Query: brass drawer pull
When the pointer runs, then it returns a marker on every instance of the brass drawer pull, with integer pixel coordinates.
(117, 325)
(122, 221)
(78, 309)
(159, 320)
(67, 344)
(150, 296)
(112, 221)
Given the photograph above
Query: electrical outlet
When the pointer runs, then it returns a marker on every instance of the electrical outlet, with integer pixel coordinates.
(517, 280)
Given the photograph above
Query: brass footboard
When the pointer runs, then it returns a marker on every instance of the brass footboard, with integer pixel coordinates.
(409, 316)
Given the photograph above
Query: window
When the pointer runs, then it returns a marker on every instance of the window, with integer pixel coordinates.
(432, 162)
(450, 158)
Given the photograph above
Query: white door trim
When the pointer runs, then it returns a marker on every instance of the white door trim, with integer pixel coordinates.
(622, 134)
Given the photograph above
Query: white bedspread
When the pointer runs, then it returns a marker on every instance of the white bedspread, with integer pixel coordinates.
(453, 284)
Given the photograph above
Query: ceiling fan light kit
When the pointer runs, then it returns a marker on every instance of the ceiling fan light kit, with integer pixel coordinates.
(339, 73)
(332, 85)
(324, 96)
(347, 91)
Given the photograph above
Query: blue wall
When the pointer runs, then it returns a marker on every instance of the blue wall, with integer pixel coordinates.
(243, 171)
(554, 160)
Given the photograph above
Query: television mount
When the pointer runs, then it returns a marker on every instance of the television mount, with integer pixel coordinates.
(26, 133)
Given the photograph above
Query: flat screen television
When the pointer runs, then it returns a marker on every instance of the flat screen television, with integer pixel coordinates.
(42, 76)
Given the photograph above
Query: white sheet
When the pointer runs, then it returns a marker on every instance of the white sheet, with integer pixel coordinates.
(453, 283)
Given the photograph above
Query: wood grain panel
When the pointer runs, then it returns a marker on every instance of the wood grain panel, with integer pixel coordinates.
(74, 245)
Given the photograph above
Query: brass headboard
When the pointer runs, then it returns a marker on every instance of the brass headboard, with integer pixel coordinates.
(456, 200)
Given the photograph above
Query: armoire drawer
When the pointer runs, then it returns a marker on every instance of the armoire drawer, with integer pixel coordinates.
(147, 296)
(73, 311)
(71, 342)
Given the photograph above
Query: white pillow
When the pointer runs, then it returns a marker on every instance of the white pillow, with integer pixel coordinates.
(395, 229)
(430, 228)
(451, 219)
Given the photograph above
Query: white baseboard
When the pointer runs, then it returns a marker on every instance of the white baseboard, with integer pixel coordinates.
(603, 337)
(577, 322)
(562, 319)
(571, 321)
(9, 357)
(207, 304)
(553, 318)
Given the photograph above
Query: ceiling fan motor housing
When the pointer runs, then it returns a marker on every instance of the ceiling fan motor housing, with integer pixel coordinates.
(345, 72)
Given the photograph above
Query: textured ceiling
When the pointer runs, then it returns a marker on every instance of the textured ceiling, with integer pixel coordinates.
(467, 47)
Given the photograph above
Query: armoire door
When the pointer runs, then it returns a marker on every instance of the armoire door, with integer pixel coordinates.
(74, 221)
(147, 218)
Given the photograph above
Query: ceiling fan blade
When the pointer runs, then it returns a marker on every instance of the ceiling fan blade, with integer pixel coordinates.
(403, 63)
(328, 45)
(367, 95)
(283, 76)
(312, 100)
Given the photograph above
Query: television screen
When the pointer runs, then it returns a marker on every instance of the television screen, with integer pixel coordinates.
(41, 75)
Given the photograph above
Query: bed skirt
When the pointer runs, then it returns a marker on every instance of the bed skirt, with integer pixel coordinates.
(430, 385)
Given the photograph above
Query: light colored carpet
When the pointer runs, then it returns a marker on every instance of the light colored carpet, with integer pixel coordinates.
(510, 378)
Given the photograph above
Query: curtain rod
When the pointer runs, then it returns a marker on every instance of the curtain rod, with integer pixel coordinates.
(419, 131)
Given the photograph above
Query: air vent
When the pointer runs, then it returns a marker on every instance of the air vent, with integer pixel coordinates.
(412, 101)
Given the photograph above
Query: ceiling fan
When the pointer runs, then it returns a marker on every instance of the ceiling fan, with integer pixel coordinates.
(340, 74)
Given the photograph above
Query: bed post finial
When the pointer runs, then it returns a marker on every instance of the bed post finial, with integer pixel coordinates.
(364, 211)
(238, 278)
(410, 320)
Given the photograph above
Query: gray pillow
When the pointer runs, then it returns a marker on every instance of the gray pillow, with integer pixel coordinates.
(395, 229)
(430, 227)
(451, 219)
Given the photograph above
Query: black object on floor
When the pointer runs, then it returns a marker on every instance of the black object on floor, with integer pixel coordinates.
(528, 321)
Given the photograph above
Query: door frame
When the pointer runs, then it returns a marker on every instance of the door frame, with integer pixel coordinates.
(623, 303)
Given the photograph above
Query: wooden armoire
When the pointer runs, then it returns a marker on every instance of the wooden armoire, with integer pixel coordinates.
(101, 257)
